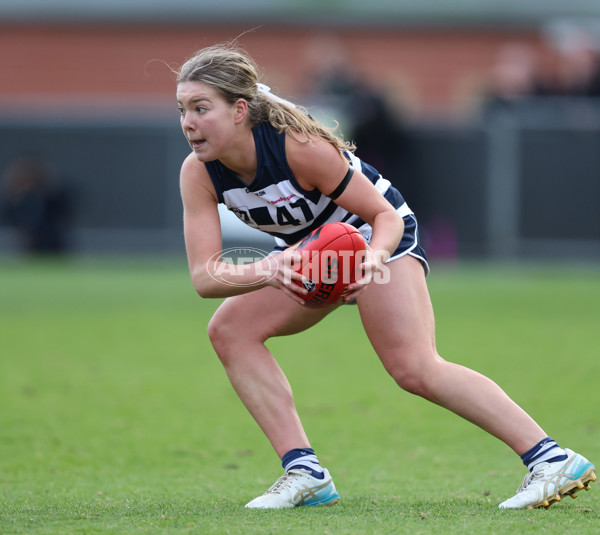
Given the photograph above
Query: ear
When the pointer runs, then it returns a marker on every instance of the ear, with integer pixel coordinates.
(240, 110)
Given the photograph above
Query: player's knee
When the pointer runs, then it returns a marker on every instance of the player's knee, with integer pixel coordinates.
(415, 377)
(412, 383)
(229, 337)
(221, 335)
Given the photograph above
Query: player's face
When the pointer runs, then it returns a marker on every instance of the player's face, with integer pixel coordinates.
(207, 120)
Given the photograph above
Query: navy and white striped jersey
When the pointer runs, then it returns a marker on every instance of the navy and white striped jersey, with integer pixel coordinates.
(276, 204)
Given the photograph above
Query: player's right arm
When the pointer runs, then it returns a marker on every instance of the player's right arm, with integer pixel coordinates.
(201, 223)
(203, 242)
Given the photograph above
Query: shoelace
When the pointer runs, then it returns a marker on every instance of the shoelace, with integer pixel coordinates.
(283, 482)
(527, 481)
(536, 474)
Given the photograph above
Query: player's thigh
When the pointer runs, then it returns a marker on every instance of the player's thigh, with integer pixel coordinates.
(263, 314)
(397, 314)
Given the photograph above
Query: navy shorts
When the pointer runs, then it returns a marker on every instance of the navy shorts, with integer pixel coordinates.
(409, 244)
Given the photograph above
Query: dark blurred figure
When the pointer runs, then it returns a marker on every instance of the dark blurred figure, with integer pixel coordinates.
(37, 205)
(368, 118)
(517, 73)
(379, 133)
(515, 76)
(579, 67)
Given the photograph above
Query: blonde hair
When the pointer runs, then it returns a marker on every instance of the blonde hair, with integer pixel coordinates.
(235, 75)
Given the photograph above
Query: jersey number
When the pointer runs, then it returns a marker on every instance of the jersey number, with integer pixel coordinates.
(261, 216)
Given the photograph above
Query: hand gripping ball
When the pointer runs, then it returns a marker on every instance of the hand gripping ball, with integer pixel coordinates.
(331, 259)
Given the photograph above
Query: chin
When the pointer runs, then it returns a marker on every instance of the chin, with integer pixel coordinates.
(202, 157)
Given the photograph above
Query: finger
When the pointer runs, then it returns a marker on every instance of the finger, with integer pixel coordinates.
(293, 295)
(288, 276)
(292, 259)
(363, 281)
(297, 288)
(351, 295)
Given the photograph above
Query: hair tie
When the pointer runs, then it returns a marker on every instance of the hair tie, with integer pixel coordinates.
(266, 90)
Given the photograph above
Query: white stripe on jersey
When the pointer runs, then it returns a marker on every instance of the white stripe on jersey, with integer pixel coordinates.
(279, 207)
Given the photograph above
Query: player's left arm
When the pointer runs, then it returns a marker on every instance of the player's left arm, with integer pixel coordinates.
(320, 165)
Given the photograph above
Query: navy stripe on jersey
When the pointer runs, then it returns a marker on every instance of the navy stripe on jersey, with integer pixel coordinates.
(274, 202)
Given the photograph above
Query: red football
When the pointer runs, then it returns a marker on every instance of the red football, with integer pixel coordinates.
(331, 259)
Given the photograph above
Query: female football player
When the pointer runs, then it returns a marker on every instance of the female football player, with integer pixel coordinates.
(284, 173)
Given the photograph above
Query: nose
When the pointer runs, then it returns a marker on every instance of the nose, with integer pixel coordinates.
(187, 122)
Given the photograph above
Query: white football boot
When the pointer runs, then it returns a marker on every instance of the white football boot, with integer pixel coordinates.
(295, 488)
(549, 482)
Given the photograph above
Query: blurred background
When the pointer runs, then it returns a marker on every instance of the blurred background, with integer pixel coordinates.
(486, 115)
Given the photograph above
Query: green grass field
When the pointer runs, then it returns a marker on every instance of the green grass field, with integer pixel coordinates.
(116, 417)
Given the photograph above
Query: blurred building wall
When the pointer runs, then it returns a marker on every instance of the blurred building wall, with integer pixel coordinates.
(426, 71)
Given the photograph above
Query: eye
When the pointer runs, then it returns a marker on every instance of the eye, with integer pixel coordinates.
(201, 109)
(180, 110)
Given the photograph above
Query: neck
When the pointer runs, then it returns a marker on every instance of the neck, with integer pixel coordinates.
(242, 158)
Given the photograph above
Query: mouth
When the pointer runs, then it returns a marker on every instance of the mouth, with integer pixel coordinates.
(196, 144)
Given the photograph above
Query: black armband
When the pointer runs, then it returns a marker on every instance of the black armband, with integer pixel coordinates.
(342, 186)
